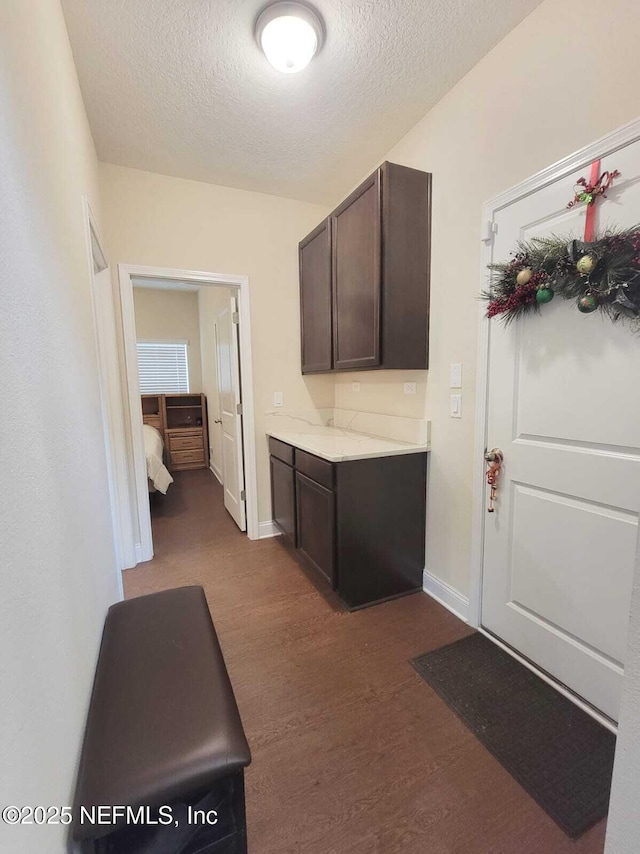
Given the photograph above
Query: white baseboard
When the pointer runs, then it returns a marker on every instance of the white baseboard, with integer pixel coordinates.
(216, 471)
(141, 556)
(267, 529)
(446, 595)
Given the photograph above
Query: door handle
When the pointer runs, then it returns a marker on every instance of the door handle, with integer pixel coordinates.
(494, 459)
(217, 420)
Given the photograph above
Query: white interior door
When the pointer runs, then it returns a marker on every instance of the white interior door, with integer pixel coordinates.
(564, 408)
(229, 389)
(114, 436)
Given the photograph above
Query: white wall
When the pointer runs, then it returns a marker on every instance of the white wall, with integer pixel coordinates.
(212, 301)
(623, 824)
(565, 76)
(163, 315)
(58, 568)
(155, 220)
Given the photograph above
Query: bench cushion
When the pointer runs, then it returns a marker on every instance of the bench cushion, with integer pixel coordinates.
(163, 722)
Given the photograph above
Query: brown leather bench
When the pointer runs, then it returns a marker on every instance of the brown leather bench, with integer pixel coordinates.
(163, 736)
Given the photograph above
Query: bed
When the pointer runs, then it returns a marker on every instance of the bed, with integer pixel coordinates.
(157, 472)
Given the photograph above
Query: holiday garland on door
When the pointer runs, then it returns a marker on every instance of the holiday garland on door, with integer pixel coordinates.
(597, 274)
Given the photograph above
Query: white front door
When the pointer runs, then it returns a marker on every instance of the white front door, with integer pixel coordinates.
(564, 408)
(228, 359)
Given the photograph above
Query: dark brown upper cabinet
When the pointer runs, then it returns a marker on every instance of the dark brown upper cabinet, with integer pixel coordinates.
(376, 247)
(356, 272)
(315, 300)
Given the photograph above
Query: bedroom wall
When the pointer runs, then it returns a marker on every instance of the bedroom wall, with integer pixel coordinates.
(58, 564)
(156, 220)
(557, 82)
(165, 315)
(212, 301)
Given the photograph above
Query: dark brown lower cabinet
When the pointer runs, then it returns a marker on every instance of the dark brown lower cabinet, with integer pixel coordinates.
(315, 514)
(360, 525)
(283, 498)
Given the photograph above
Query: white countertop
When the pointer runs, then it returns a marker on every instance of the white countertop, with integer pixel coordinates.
(338, 445)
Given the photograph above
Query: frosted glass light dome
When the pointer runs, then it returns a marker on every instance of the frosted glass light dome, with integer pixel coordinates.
(290, 34)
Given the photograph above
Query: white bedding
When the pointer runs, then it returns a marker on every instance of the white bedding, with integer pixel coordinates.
(156, 470)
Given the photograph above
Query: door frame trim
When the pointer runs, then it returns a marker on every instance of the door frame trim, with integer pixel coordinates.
(606, 145)
(140, 495)
(110, 403)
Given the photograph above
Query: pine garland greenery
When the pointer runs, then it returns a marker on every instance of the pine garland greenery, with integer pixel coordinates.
(602, 275)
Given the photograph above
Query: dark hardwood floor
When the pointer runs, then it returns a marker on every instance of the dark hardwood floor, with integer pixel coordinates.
(352, 752)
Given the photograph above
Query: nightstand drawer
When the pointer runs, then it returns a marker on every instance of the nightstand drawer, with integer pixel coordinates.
(185, 443)
(180, 457)
(153, 421)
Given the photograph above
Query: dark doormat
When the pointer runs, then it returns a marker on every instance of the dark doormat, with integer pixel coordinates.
(559, 754)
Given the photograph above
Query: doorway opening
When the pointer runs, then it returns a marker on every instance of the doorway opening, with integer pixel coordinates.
(189, 391)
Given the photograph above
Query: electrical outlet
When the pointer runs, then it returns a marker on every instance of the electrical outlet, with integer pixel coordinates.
(355, 386)
(410, 388)
(455, 406)
(278, 398)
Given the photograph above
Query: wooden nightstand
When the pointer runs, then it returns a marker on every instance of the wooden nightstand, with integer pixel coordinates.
(186, 436)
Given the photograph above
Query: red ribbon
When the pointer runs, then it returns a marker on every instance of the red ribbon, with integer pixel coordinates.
(590, 221)
(596, 186)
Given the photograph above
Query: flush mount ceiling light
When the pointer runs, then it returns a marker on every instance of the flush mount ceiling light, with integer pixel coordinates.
(290, 34)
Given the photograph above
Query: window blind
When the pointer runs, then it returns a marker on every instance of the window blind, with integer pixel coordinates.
(163, 367)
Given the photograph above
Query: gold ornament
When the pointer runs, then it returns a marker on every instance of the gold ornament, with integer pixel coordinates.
(585, 265)
(524, 276)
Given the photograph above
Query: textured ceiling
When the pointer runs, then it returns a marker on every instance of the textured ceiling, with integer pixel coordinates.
(181, 88)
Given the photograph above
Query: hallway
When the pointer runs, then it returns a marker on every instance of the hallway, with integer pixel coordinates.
(352, 752)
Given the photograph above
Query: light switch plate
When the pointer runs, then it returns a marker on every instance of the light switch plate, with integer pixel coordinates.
(455, 407)
(410, 388)
(355, 386)
(455, 375)
(278, 398)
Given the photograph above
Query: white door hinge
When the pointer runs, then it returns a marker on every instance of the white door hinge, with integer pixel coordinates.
(491, 229)
(243, 495)
(239, 408)
(235, 318)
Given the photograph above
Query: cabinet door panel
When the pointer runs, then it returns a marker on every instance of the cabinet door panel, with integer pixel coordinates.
(283, 498)
(357, 278)
(316, 525)
(315, 300)
(406, 238)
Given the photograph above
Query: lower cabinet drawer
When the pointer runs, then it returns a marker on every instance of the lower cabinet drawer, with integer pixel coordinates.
(314, 467)
(181, 457)
(185, 443)
(281, 450)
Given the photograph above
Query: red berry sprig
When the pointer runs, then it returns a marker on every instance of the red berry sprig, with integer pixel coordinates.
(522, 295)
